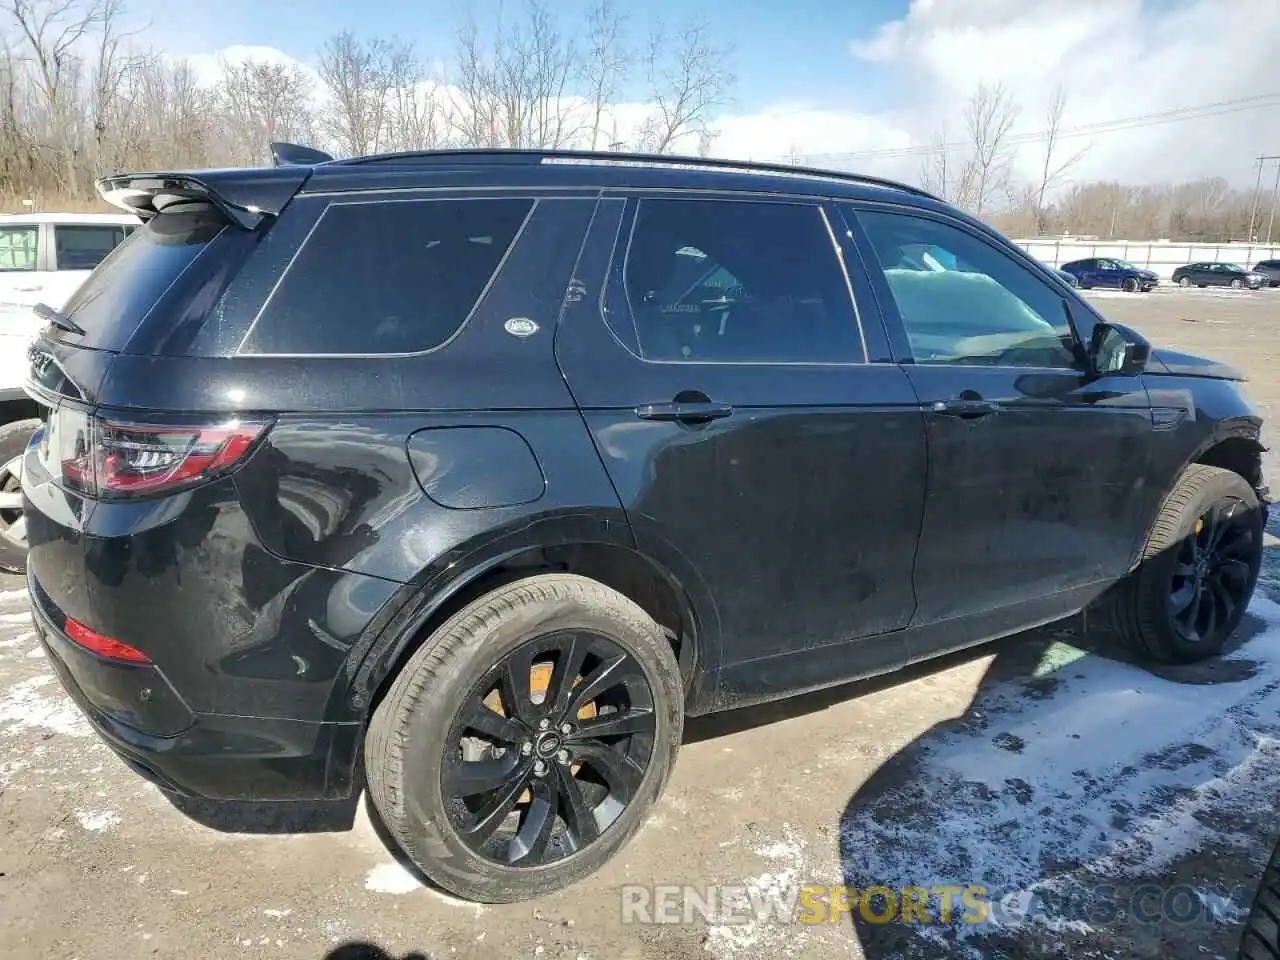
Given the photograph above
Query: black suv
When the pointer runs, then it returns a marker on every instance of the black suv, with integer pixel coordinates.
(466, 476)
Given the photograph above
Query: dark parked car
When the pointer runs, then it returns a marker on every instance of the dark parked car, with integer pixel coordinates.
(467, 475)
(1109, 272)
(1217, 275)
(1269, 269)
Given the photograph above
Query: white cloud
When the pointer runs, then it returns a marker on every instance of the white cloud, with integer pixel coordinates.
(1114, 58)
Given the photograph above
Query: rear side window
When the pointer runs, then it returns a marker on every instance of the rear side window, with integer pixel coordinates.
(737, 281)
(18, 247)
(385, 278)
(84, 247)
(114, 299)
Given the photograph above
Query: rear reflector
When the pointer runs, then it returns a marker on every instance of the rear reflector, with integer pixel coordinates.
(95, 642)
(139, 459)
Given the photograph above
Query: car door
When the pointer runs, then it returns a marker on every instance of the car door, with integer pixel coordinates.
(1087, 273)
(716, 353)
(1113, 275)
(1035, 467)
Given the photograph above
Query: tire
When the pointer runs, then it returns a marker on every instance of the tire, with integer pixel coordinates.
(1138, 609)
(409, 739)
(14, 438)
(1261, 937)
(1130, 285)
(1237, 284)
(1185, 283)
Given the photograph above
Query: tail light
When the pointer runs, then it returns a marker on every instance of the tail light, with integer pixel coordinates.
(114, 459)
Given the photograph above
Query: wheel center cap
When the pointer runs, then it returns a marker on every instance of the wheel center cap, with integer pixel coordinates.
(548, 744)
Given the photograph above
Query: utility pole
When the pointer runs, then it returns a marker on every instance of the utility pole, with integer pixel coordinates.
(1275, 192)
(1257, 194)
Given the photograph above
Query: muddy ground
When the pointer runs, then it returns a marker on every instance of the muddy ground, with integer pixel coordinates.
(1107, 811)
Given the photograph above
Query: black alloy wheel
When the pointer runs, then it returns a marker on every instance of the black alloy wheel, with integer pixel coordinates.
(548, 749)
(1212, 575)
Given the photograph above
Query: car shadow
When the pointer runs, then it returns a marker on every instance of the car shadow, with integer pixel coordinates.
(363, 950)
(1074, 777)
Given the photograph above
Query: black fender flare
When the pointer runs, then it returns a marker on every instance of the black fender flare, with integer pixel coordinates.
(470, 569)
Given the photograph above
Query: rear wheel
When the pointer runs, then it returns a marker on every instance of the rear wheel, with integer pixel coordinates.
(14, 438)
(1197, 572)
(521, 747)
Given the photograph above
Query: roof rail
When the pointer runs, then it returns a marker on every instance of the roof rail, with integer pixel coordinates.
(515, 155)
(294, 155)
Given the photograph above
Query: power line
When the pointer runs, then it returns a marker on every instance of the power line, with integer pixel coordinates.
(1178, 115)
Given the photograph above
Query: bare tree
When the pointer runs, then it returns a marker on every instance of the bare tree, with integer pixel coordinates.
(417, 114)
(606, 62)
(689, 76)
(989, 116)
(357, 76)
(53, 35)
(261, 102)
(1054, 169)
(514, 90)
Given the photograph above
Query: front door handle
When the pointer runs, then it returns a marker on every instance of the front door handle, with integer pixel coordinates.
(697, 411)
(965, 409)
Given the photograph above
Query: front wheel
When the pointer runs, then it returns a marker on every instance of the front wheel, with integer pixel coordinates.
(1237, 284)
(1197, 572)
(523, 744)
(1185, 283)
(1130, 285)
(14, 438)
(1261, 938)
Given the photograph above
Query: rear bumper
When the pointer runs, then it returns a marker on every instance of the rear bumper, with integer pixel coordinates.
(140, 716)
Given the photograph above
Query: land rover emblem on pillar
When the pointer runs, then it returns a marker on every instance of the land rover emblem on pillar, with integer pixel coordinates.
(520, 327)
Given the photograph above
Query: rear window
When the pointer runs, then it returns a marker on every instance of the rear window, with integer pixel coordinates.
(114, 299)
(387, 277)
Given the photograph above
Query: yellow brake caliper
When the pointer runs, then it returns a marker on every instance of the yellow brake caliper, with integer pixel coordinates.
(539, 681)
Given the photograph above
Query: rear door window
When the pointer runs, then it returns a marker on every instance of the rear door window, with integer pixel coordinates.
(387, 277)
(83, 247)
(116, 297)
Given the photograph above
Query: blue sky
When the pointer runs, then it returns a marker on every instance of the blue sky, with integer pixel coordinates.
(873, 83)
(783, 51)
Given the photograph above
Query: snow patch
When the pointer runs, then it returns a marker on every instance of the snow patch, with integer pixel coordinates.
(25, 707)
(98, 821)
(17, 641)
(391, 878)
(766, 928)
(1110, 775)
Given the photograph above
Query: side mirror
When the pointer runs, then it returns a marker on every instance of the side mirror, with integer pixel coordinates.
(1117, 350)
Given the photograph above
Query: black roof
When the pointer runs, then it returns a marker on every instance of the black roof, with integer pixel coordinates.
(249, 194)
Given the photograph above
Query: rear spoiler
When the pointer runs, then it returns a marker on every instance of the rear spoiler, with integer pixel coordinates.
(246, 197)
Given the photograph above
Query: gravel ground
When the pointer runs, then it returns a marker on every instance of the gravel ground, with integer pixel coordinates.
(1108, 812)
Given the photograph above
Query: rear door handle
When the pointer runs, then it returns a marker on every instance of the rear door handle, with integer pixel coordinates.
(684, 412)
(964, 409)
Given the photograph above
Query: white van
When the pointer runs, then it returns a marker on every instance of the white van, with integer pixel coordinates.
(44, 257)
